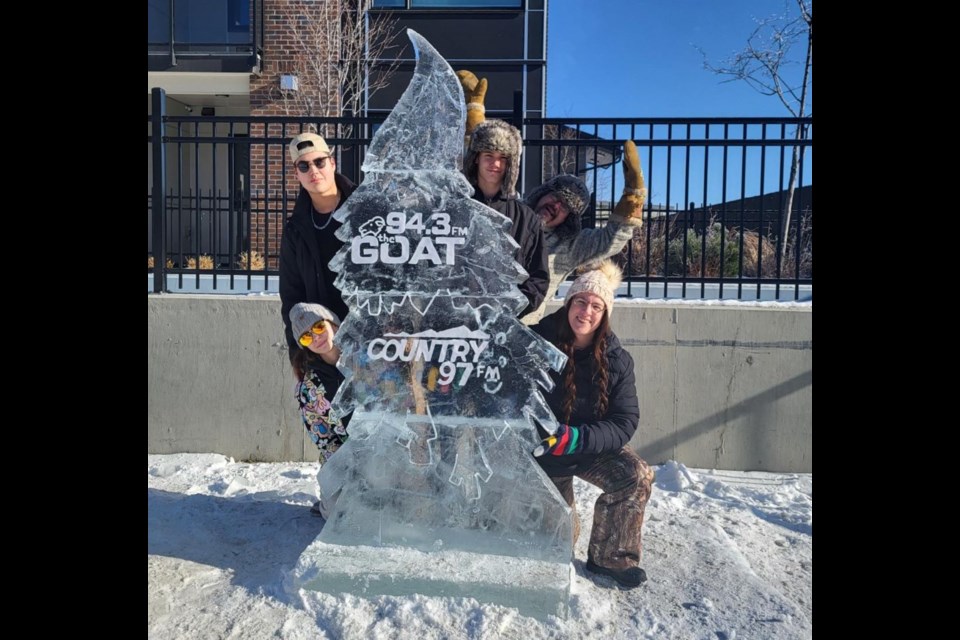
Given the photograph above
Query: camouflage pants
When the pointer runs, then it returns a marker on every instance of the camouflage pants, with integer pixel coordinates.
(626, 481)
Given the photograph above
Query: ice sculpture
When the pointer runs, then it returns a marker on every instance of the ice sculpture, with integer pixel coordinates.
(442, 379)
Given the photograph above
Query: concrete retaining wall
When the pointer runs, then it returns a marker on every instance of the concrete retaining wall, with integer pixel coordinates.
(720, 386)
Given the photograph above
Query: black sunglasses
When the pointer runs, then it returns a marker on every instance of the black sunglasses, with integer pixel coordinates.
(303, 166)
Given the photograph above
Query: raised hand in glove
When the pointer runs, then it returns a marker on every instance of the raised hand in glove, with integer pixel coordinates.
(630, 206)
(475, 92)
(565, 441)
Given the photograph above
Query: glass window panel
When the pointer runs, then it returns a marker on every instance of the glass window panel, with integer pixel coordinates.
(158, 21)
(450, 4)
(465, 4)
(238, 15)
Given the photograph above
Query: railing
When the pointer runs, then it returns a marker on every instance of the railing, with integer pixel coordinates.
(738, 235)
(715, 222)
(229, 30)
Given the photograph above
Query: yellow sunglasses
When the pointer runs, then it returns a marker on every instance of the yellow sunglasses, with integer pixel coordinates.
(318, 328)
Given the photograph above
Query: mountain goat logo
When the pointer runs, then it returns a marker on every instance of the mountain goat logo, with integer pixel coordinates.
(373, 227)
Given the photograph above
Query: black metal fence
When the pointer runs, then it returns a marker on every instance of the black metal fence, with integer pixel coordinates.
(715, 223)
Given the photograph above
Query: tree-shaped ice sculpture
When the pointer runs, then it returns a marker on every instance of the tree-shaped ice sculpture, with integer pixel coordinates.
(442, 378)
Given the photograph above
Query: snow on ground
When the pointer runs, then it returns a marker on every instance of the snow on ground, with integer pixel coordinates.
(727, 554)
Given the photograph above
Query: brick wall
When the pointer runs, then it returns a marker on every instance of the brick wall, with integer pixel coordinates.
(284, 54)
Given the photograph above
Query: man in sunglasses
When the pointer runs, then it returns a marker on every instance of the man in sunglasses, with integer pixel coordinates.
(560, 203)
(308, 242)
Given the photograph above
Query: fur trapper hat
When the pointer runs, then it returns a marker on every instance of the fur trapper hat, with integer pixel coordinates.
(568, 189)
(572, 192)
(495, 135)
(599, 278)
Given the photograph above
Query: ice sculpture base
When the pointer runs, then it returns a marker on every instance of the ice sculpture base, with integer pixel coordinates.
(535, 588)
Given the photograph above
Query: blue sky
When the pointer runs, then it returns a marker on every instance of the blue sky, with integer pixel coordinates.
(636, 58)
(639, 58)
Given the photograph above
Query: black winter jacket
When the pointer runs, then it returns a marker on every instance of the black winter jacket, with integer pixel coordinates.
(304, 276)
(599, 434)
(532, 254)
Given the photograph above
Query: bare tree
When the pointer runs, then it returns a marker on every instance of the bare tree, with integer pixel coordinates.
(340, 56)
(766, 65)
(561, 158)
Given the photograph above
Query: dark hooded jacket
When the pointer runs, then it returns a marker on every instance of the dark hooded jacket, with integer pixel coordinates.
(305, 252)
(532, 254)
(600, 434)
(500, 137)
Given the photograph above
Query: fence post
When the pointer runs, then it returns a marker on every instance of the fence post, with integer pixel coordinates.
(159, 112)
(517, 118)
(518, 110)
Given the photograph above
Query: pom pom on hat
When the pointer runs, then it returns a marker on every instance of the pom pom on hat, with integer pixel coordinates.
(599, 278)
(304, 315)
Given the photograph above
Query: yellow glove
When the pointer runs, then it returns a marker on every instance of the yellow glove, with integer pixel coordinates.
(630, 206)
(475, 91)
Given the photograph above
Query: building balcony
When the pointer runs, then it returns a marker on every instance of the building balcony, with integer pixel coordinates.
(205, 35)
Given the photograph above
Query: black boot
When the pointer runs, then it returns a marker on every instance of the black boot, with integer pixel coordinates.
(627, 578)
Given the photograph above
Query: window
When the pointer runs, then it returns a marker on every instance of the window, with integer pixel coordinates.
(465, 4)
(449, 4)
(238, 15)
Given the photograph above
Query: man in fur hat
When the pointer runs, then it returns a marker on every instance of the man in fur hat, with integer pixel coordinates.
(560, 203)
(491, 164)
